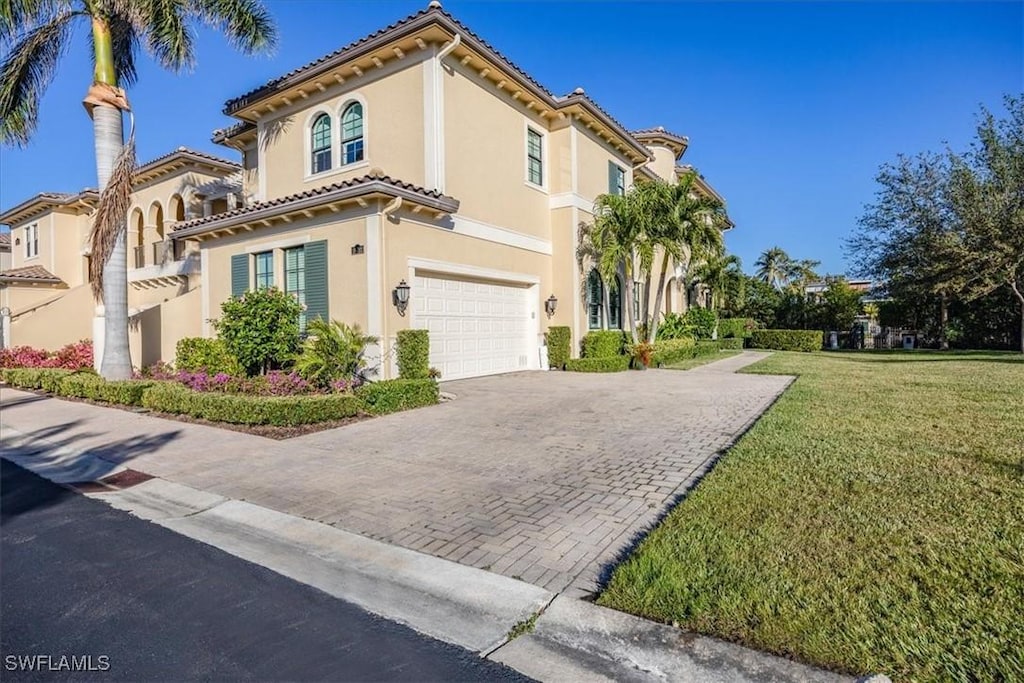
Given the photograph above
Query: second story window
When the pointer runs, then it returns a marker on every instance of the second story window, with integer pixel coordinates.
(616, 179)
(321, 147)
(352, 134)
(264, 269)
(534, 157)
(32, 241)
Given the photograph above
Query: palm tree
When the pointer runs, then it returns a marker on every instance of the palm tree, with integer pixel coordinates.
(687, 225)
(721, 275)
(773, 267)
(35, 35)
(801, 273)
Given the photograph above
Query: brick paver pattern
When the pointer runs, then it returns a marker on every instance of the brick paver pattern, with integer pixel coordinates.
(544, 476)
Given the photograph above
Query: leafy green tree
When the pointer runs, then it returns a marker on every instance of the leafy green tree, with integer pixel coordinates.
(36, 34)
(801, 273)
(760, 302)
(774, 266)
(721, 275)
(840, 305)
(332, 351)
(260, 328)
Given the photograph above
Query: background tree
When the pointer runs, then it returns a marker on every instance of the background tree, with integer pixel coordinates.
(774, 266)
(721, 275)
(840, 305)
(760, 302)
(801, 273)
(35, 35)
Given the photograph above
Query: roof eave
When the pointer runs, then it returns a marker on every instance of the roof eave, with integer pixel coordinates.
(40, 203)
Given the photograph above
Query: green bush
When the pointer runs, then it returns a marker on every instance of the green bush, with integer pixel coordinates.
(79, 385)
(603, 344)
(125, 393)
(196, 353)
(701, 322)
(730, 343)
(413, 351)
(706, 347)
(604, 364)
(46, 379)
(260, 328)
(559, 345)
(392, 395)
(739, 328)
(332, 351)
(670, 351)
(786, 340)
(674, 326)
(282, 411)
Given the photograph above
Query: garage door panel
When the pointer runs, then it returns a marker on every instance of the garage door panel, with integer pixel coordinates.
(476, 327)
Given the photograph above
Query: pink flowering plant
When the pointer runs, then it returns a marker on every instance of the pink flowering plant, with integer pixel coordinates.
(77, 356)
(274, 383)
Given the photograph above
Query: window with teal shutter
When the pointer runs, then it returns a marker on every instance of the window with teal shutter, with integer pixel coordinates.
(316, 283)
(595, 301)
(616, 179)
(239, 274)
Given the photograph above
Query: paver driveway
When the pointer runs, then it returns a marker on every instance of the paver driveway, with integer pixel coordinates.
(546, 477)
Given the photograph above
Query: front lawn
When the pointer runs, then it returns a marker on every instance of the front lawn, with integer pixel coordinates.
(691, 363)
(872, 520)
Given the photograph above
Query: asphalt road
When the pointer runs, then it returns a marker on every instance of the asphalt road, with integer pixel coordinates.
(79, 578)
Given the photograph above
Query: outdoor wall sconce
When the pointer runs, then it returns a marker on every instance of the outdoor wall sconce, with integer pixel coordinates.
(400, 297)
(550, 305)
(358, 249)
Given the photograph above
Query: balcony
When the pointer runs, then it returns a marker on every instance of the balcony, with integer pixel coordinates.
(160, 263)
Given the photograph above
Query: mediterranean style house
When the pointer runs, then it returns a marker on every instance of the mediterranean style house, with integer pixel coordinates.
(414, 178)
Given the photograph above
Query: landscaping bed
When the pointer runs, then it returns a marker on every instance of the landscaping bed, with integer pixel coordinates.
(870, 521)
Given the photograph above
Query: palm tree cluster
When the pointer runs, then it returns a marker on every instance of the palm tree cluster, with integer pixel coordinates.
(781, 271)
(35, 34)
(653, 225)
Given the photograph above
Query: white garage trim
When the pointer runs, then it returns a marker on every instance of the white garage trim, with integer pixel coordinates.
(470, 271)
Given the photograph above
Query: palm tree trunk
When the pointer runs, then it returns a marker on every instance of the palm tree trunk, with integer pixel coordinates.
(627, 286)
(652, 331)
(108, 133)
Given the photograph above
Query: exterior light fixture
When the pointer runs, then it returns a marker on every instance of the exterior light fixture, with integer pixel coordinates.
(358, 249)
(400, 297)
(550, 305)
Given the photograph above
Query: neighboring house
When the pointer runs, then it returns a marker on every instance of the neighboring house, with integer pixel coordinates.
(817, 287)
(416, 161)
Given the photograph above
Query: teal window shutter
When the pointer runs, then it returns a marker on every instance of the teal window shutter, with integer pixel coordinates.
(316, 281)
(613, 178)
(239, 274)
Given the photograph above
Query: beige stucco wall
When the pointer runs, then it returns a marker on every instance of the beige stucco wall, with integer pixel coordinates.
(664, 163)
(393, 131)
(67, 319)
(593, 155)
(154, 332)
(485, 155)
(5, 260)
(147, 196)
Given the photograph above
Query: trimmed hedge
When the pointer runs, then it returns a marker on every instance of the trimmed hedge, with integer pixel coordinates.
(413, 351)
(739, 328)
(559, 344)
(605, 364)
(786, 340)
(46, 379)
(392, 395)
(730, 343)
(603, 344)
(706, 347)
(198, 353)
(670, 351)
(281, 411)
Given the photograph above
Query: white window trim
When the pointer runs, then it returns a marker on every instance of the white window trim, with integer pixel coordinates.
(31, 237)
(307, 144)
(350, 99)
(527, 127)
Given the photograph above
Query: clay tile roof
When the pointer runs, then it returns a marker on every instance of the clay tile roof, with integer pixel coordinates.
(658, 131)
(185, 151)
(349, 188)
(29, 274)
(222, 134)
(5, 240)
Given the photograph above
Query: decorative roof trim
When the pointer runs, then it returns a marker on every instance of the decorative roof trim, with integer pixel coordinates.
(46, 200)
(306, 201)
(30, 274)
(677, 143)
(182, 155)
(701, 182)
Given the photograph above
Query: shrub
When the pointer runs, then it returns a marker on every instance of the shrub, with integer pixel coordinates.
(641, 353)
(77, 356)
(701, 322)
(332, 351)
(603, 344)
(413, 350)
(730, 343)
(285, 411)
(49, 380)
(33, 378)
(125, 393)
(604, 364)
(706, 347)
(208, 355)
(79, 385)
(260, 328)
(674, 326)
(393, 395)
(670, 351)
(739, 328)
(559, 340)
(786, 340)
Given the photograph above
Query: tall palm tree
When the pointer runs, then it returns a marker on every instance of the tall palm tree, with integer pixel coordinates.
(35, 34)
(721, 275)
(801, 273)
(773, 266)
(687, 225)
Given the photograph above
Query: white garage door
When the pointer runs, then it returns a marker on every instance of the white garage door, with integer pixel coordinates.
(476, 327)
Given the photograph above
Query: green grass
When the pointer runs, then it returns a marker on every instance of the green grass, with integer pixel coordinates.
(691, 363)
(872, 520)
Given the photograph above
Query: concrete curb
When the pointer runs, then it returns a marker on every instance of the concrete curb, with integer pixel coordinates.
(577, 640)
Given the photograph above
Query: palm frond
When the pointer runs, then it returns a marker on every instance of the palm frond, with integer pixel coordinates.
(246, 23)
(111, 215)
(163, 27)
(17, 16)
(25, 73)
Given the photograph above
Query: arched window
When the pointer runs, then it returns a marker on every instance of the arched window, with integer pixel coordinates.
(352, 134)
(595, 301)
(321, 144)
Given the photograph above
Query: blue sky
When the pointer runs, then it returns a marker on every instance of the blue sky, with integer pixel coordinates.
(790, 107)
